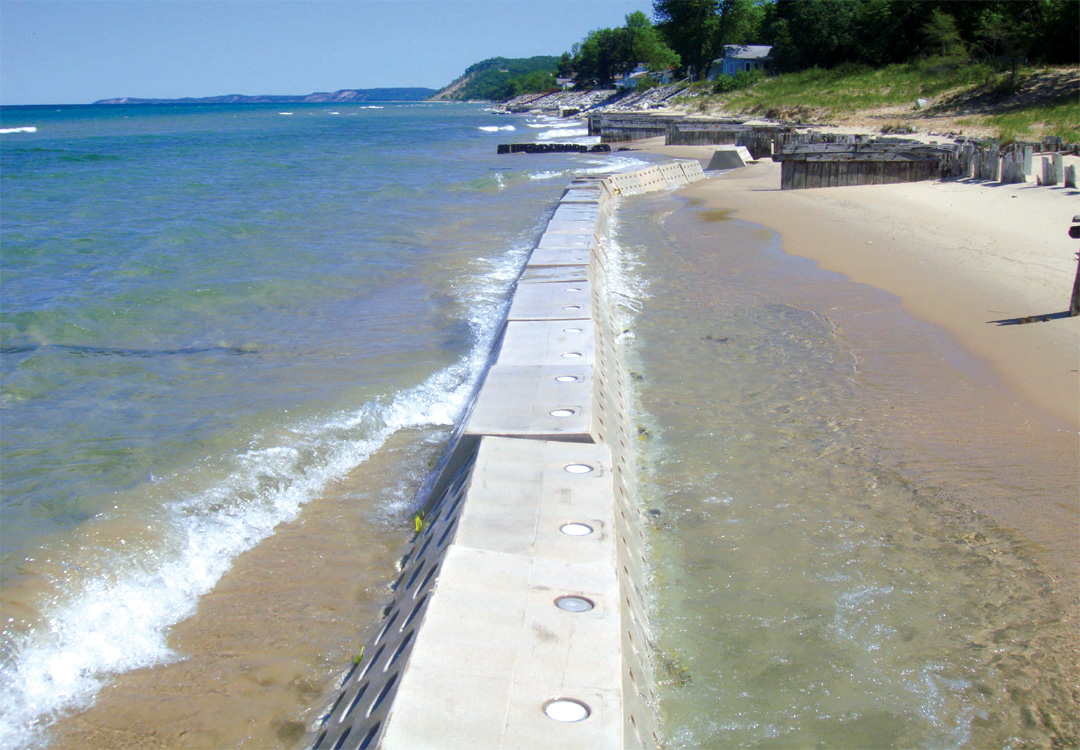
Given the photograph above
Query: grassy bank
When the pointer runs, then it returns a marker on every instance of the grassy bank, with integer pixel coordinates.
(967, 98)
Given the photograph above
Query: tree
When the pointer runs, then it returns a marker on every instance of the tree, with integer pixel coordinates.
(645, 44)
(740, 22)
(689, 27)
(942, 36)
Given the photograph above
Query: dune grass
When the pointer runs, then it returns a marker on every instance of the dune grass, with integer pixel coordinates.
(1031, 123)
(821, 96)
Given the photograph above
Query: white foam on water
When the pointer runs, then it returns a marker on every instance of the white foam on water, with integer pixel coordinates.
(284, 113)
(547, 174)
(496, 128)
(120, 622)
(25, 129)
(594, 165)
(563, 132)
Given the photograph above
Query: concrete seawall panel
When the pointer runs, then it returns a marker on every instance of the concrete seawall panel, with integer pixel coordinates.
(519, 617)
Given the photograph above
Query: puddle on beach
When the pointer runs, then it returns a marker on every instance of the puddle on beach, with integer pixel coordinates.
(854, 543)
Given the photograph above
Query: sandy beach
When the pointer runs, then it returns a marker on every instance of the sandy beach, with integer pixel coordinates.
(924, 285)
(973, 258)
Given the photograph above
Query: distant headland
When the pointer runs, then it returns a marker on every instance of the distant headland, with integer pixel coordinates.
(341, 96)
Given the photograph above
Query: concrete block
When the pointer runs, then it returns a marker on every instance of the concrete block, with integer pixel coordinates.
(495, 648)
(560, 256)
(673, 174)
(574, 213)
(535, 402)
(691, 169)
(547, 343)
(551, 302)
(729, 157)
(522, 489)
(542, 272)
(567, 239)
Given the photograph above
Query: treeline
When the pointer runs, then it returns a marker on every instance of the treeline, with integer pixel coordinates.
(501, 78)
(607, 53)
(689, 34)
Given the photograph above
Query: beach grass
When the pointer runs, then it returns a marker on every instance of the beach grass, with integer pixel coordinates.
(971, 94)
(1061, 117)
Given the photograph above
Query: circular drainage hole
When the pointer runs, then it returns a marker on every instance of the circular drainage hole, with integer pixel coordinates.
(566, 709)
(574, 603)
(576, 529)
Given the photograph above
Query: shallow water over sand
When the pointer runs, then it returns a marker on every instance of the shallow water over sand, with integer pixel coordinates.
(832, 490)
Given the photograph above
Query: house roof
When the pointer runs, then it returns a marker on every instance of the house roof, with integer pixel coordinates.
(747, 51)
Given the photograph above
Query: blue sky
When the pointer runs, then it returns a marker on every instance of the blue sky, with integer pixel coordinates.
(79, 51)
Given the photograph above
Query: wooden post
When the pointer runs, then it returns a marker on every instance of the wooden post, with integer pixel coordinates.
(1074, 302)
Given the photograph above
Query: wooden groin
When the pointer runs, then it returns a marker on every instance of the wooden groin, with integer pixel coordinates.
(758, 139)
(842, 164)
(552, 148)
(614, 127)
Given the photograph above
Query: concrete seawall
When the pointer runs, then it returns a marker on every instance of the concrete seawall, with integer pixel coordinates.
(519, 617)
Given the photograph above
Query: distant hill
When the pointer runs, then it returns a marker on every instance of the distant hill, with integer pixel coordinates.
(501, 78)
(344, 95)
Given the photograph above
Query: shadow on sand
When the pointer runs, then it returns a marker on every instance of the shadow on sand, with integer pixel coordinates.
(1030, 319)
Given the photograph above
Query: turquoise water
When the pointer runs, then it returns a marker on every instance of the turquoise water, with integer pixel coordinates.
(209, 314)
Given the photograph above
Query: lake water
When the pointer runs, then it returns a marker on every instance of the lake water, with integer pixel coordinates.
(211, 315)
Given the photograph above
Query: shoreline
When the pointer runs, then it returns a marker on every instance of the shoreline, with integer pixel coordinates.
(1004, 396)
(983, 414)
(984, 256)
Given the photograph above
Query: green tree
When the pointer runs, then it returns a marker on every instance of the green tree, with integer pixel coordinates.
(689, 27)
(646, 45)
(942, 36)
(740, 22)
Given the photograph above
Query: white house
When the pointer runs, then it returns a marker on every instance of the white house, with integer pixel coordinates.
(738, 57)
(629, 80)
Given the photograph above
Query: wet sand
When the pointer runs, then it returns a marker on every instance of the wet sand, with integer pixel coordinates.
(973, 258)
(260, 657)
(980, 417)
(959, 257)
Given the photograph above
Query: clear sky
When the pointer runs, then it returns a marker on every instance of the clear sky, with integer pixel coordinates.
(79, 51)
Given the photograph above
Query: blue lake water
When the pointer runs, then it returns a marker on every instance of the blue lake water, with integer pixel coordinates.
(209, 314)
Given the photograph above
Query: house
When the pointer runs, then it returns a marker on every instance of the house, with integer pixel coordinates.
(739, 57)
(630, 80)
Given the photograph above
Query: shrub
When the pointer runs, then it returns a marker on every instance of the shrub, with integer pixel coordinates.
(744, 79)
